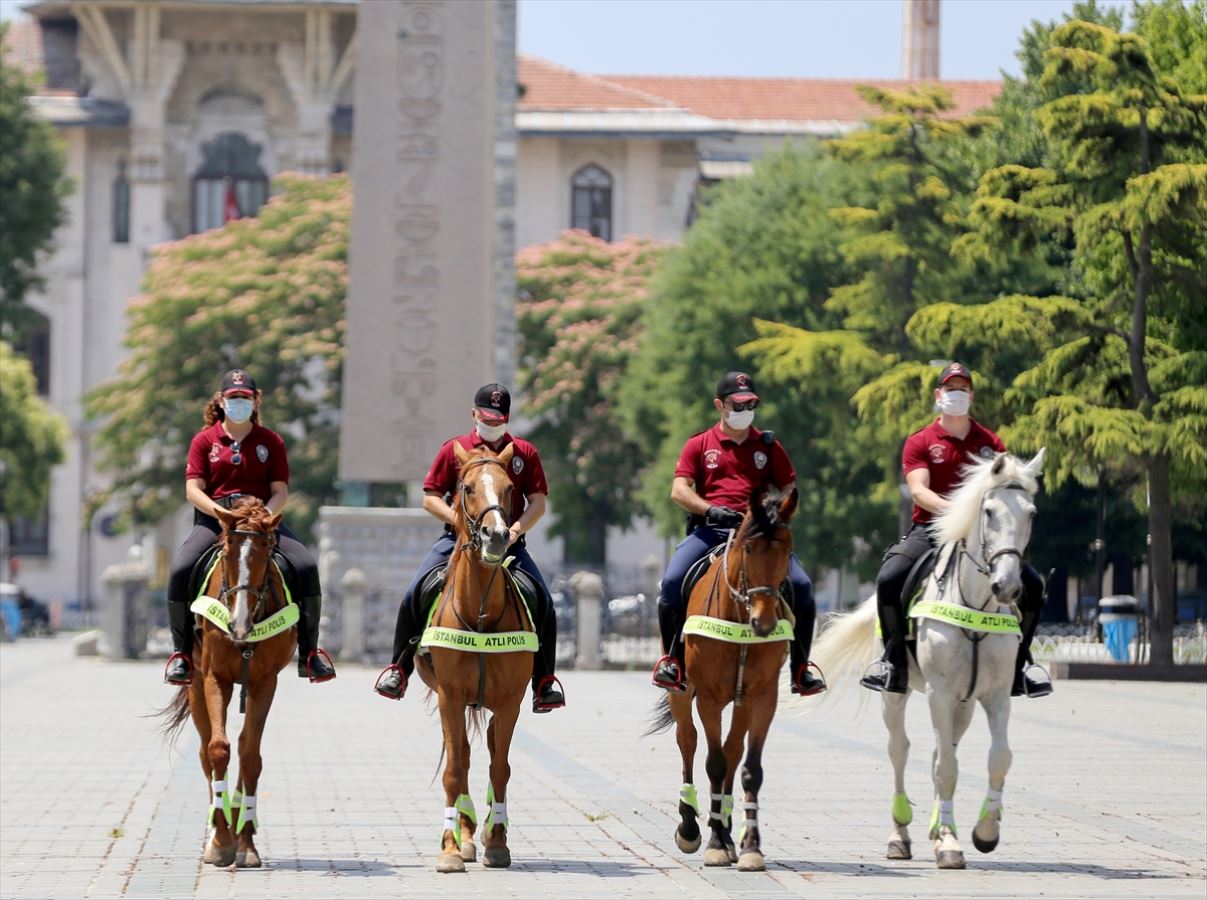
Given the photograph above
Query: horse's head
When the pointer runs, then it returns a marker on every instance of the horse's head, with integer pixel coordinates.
(759, 556)
(994, 508)
(483, 503)
(249, 533)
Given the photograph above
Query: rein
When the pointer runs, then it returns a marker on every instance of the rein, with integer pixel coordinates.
(260, 593)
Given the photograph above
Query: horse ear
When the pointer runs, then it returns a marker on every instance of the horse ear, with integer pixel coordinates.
(788, 506)
(1036, 465)
(226, 517)
(271, 523)
(461, 452)
(999, 463)
(507, 454)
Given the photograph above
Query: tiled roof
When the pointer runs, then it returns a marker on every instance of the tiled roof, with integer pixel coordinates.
(23, 45)
(789, 99)
(548, 86)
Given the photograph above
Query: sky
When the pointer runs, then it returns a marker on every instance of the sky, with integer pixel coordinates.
(774, 38)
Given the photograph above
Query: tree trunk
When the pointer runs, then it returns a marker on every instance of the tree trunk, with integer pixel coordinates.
(587, 544)
(1160, 560)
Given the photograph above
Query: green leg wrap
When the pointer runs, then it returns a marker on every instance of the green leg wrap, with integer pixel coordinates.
(903, 812)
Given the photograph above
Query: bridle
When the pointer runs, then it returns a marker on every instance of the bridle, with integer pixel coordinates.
(261, 592)
(985, 564)
(475, 522)
(744, 593)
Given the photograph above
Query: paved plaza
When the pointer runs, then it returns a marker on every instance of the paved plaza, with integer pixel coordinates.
(1107, 797)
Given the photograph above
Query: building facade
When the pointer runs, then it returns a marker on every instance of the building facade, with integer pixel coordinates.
(177, 114)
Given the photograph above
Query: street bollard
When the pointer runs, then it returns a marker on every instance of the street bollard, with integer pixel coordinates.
(124, 616)
(588, 589)
(353, 592)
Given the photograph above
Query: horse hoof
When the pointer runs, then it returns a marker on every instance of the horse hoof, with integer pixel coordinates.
(684, 844)
(899, 850)
(984, 846)
(717, 856)
(247, 860)
(469, 851)
(450, 862)
(496, 858)
(950, 859)
(220, 856)
(732, 851)
(751, 861)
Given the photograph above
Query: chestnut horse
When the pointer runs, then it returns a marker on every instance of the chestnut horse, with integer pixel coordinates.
(247, 637)
(469, 665)
(735, 663)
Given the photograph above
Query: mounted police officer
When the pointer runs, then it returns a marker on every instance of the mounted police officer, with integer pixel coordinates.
(718, 470)
(491, 411)
(932, 460)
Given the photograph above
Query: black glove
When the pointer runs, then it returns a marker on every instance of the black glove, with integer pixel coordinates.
(723, 517)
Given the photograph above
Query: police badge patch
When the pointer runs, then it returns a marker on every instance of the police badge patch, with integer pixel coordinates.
(760, 459)
(517, 464)
(261, 453)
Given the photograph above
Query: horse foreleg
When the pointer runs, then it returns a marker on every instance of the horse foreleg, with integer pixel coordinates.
(945, 772)
(251, 763)
(988, 827)
(735, 743)
(452, 721)
(717, 768)
(893, 712)
(496, 854)
(761, 712)
(687, 835)
(220, 850)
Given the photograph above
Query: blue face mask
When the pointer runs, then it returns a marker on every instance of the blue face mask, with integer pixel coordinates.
(239, 409)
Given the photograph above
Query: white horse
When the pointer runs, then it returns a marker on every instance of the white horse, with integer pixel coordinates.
(977, 582)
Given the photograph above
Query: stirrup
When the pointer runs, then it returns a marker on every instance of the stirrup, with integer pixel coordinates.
(188, 664)
(798, 688)
(1036, 687)
(678, 687)
(322, 657)
(878, 677)
(537, 705)
(402, 687)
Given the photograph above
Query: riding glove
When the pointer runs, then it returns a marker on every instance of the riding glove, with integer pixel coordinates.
(723, 517)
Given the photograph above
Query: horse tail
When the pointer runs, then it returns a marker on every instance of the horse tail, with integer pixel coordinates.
(660, 718)
(173, 715)
(846, 645)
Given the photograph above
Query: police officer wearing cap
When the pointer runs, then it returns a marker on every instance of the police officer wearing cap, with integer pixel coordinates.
(491, 411)
(717, 472)
(932, 461)
(233, 457)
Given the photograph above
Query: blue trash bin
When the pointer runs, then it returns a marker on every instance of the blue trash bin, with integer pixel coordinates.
(10, 609)
(1119, 617)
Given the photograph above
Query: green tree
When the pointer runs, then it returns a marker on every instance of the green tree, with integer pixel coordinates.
(763, 246)
(578, 317)
(32, 189)
(31, 439)
(896, 245)
(1119, 382)
(265, 294)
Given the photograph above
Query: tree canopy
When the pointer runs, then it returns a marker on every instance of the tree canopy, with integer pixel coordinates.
(31, 438)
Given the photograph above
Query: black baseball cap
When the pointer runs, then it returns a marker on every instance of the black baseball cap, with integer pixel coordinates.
(493, 402)
(955, 370)
(237, 380)
(737, 385)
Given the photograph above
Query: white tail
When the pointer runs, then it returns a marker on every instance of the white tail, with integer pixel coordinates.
(847, 644)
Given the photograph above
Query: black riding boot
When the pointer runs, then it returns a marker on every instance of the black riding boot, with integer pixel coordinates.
(313, 661)
(670, 671)
(891, 673)
(1030, 680)
(804, 682)
(179, 670)
(547, 694)
(392, 682)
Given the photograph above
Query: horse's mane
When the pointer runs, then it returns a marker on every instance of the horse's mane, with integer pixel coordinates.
(252, 511)
(957, 521)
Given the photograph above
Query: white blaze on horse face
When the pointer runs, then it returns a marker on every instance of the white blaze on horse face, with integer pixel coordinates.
(492, 498)
(240, 621)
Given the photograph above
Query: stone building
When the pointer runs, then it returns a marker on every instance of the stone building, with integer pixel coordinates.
(173, 112)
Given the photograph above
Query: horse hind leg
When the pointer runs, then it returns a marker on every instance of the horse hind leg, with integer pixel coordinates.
(893, 712)
(987, 833)
(687, 834)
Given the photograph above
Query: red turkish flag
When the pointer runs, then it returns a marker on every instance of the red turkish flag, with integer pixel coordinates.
(230, 209)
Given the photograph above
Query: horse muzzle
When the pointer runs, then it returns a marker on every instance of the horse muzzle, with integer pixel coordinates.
(762, 626)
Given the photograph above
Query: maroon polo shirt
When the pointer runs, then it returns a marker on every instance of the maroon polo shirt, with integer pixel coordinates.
(725, 473)
(526, 471)
(943, 454)
(262, 461)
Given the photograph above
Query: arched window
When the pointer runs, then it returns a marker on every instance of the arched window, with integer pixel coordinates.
(121, 205)
(591, 201)
(230, 183)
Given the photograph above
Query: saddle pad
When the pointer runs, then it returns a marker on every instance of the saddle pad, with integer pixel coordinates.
(490, 641)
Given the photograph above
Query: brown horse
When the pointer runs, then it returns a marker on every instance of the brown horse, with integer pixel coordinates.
(739, 664)
(479, 612)
(247, 637)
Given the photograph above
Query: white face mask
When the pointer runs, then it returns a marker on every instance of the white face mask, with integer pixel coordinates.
(238, 409)
(491, 433)
(739, 421)
(954, 403)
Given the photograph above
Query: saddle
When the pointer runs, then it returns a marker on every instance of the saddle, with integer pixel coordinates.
(915, 583)
(431, 586)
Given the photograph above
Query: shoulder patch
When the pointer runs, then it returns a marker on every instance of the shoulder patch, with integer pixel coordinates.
(768, 437)
(517, 464)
